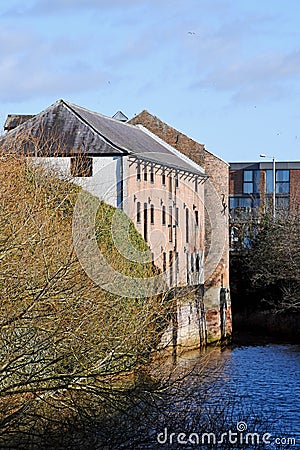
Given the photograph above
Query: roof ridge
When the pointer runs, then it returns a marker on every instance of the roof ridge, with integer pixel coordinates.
(173, 150)
(99, 114)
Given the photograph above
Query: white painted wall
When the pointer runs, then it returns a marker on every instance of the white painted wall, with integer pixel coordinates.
(104, 182)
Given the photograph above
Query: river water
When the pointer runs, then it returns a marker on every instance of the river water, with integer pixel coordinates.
(264, 382)
(257, 388)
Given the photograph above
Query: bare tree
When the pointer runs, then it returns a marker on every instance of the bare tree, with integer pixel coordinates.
(265, 261)
(68, 348)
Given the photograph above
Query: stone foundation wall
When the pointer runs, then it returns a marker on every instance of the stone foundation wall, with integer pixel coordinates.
(195, 324)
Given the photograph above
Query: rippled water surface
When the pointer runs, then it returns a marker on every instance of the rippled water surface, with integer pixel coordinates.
(263, 381)
(246, 390)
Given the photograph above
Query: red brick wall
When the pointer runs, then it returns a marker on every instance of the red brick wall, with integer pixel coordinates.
(235, 182)
(173, 137)
(216, 168)
(294, 189)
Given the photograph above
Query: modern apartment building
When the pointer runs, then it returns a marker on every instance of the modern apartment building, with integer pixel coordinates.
(251, 187)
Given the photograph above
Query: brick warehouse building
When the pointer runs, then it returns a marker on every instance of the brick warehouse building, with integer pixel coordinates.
(162, 190)
(216, 265)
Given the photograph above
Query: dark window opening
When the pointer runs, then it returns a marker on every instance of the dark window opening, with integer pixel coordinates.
(152, 214)
(187, 225)
(187, 269)
(152, 175)
(164, 261)
(145, 222)
(81, 166)
(170, 225)
(138, 212)
(163, 216)
(282, 181)
(138, 171)
(171, 267)
(283, 203)
(177, 217)
(243, 207)
(197, 263)
(163, 178)
(197, 219)
(145, 173)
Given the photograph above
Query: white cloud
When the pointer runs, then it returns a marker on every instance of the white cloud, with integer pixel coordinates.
(228, 51)
(32, 66)
(265, 76)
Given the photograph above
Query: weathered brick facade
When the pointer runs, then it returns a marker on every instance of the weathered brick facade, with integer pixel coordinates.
(236, 181)
(216, 207)
(180, 209)
(295, 189)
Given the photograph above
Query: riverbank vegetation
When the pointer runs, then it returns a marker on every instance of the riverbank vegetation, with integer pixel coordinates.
(69, 350)
(75, 360)
(265, 273)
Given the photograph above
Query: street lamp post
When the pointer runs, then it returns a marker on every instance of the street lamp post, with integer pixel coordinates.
(274, 181)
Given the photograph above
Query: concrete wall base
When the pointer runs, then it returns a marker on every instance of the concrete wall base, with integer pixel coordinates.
(195, 323)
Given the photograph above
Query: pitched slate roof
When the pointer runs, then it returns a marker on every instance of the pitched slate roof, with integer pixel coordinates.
(80, 130)
(14, 120)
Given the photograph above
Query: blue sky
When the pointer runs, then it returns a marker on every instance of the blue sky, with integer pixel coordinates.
(225, 72)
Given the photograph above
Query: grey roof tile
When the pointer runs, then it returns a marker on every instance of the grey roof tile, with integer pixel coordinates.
(77, 129)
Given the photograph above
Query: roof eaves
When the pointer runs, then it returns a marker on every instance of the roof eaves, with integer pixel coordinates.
(183, 134)
(142, 157)
(195, 166)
